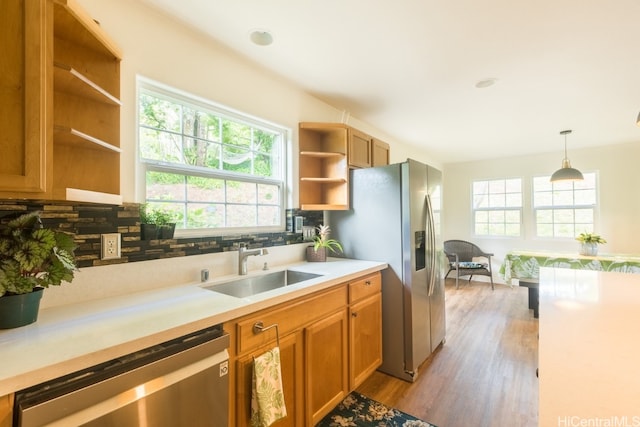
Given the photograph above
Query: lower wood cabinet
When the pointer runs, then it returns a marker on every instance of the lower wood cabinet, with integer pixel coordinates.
(365, 339)
(326, 365)
(330, 341)
(291, 360)
(6, 410)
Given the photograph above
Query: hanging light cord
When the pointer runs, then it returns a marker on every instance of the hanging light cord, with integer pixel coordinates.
(565, 133)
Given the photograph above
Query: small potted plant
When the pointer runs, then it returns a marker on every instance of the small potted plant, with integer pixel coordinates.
(31, 258)
(322, 243)
(589, 243)
(156, 223)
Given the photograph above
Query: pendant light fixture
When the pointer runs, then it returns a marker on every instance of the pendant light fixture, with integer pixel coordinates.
(566, 172)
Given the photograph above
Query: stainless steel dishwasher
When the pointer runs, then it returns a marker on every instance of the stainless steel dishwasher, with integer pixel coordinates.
(183, 382)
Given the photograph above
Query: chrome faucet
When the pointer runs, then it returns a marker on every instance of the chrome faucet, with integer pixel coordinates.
(245, 253)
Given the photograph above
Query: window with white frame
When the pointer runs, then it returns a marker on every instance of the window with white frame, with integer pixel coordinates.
(564, 208)
(497, 207)
(210, 167)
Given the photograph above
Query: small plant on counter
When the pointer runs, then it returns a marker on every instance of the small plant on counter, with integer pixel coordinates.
(589, 243)
(321, 240)
(156, 223)
(32, 256)
(590, 238)
(321, 244)
(151, 215)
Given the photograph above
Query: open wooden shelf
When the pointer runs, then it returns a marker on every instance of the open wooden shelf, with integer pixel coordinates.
(321, 154)
(73, 23)
(324, 173)
(323, 207)
(323, 180)
(68, 79)
(86, 108)
(70, 136)
(86, 196)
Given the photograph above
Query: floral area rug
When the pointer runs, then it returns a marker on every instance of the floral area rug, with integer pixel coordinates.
(357, 410)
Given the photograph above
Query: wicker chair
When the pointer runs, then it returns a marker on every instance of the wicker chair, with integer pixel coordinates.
(461, 256)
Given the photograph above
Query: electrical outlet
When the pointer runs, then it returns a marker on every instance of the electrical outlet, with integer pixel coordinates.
(110, 245)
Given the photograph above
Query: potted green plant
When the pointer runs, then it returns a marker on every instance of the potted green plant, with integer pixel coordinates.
(31, 258)
(589, 243)
(322, 243)
(156, 223)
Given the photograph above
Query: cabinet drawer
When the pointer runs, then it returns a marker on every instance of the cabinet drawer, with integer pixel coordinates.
(364, 287)
(289, 317)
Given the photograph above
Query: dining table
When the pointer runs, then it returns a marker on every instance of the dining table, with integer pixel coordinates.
(524, 266)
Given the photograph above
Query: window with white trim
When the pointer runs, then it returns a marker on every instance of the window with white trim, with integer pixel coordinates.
(210, 167)
(497, 207)
(564, 208)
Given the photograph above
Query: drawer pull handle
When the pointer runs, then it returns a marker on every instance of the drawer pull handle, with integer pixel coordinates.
(367, 283)
(354, 314)
(259, 327)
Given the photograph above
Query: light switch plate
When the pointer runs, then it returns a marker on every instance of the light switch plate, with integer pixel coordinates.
(110, 246)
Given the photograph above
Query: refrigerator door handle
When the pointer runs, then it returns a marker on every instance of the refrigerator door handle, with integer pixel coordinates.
(431, 239)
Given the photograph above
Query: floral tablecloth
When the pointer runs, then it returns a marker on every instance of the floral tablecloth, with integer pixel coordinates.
(526, 264)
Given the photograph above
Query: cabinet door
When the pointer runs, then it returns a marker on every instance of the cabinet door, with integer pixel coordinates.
(365, 340)
(292, 382)
(6, 410)
(326, 363)
(359, 149)
(379, 153)
(24, 84)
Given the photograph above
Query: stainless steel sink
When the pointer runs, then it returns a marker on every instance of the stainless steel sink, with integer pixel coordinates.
(248, 286)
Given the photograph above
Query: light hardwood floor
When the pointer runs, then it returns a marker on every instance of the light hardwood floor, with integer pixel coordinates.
(484, 374)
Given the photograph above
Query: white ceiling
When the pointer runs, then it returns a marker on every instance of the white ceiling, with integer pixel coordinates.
(409, 67)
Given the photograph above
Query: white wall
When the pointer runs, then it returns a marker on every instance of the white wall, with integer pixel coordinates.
(619, 198)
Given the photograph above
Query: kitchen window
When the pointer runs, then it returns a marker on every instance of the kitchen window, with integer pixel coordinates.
(497, 207)
(211, 167)
(564, 208)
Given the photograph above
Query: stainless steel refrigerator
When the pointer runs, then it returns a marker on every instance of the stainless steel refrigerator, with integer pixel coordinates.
(394, 217)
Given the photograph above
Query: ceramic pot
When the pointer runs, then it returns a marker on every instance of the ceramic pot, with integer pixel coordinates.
(316, 256)
(589, 249)
(19, 310)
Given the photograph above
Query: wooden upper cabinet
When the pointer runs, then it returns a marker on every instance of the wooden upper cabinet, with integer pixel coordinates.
(359, 149)
(326, 152)
(23, 100)
(323, 168)
(366, 151)
(63, 138)
(379, 152)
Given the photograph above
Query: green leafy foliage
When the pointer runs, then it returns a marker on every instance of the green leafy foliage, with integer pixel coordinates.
(172, 132)
(321, 240)
(590, 238)
(151, 215)
(32, 256)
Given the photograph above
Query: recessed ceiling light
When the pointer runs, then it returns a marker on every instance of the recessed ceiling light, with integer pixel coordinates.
(486, 83)
(261, 37)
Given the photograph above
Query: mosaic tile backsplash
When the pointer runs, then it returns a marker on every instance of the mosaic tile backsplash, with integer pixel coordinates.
(88, 221)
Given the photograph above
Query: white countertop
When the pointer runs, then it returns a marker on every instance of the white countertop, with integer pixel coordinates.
(589, 349)
(72, 337)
